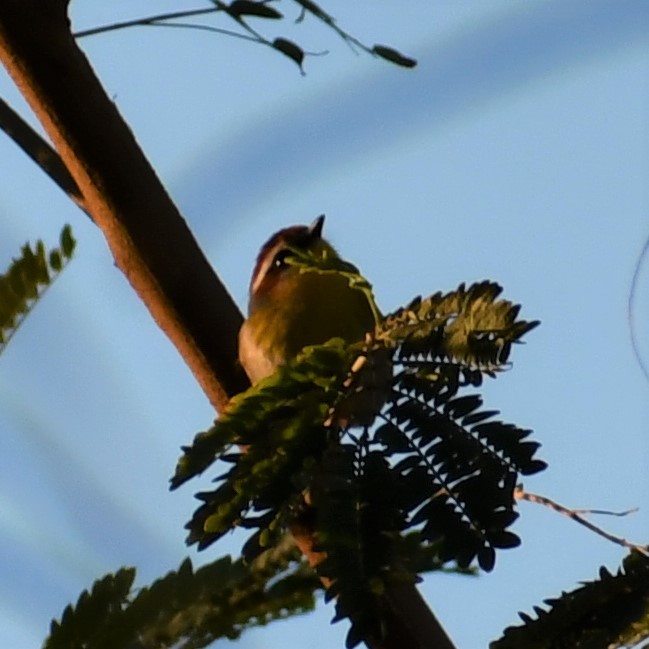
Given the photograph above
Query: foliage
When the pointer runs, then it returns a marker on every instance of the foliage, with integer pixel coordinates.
(241, 11)
(27, 278)
(611, 612)
(437, 462)
(187, 608)
(432, 482)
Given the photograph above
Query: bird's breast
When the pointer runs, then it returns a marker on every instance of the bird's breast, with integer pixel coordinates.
(301, 309)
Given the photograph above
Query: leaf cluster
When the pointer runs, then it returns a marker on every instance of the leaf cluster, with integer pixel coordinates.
(612, 612)
(242, 11)
(187, 609)
(269, 435)
(300, 447)
(457, 464)
(27, 278)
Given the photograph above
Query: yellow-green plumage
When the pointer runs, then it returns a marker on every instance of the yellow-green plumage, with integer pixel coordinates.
(292, 307)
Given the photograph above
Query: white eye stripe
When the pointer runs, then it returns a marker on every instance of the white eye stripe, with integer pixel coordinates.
(266, 265)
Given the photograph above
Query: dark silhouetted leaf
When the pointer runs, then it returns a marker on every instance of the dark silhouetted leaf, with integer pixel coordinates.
(249, 8)
(390, 54)
(290, 49)
(188, 609)
(313, 8)
(611, 612)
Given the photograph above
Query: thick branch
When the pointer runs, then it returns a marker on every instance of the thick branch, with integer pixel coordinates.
(149, 240)
(408, 623)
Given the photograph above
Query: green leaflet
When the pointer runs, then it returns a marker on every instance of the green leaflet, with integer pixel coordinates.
(27, 279)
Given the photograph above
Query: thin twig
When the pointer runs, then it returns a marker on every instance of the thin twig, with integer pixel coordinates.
(148, 20)
(330, 21)
(164, 20)
(521, 494)
(607, 512)
(206, 28)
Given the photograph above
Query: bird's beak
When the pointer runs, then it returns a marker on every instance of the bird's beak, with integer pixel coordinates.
(315, 229)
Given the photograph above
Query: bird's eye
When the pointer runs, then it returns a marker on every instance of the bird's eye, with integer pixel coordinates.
(280, 258)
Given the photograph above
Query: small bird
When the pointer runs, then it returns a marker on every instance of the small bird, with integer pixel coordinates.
(291, 307)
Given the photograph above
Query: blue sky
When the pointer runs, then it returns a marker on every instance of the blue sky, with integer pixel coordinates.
(516, 151)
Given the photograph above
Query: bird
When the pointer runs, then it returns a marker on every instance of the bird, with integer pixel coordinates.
(291, 307)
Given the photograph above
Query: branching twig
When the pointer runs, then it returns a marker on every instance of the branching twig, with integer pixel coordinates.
(330, 21)
(575, 514)
(170, 20)
(206, 28)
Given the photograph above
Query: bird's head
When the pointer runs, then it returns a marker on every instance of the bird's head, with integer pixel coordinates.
(273, 275)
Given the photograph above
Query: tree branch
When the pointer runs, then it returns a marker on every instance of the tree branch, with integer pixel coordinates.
(39, 151)
(148, 238)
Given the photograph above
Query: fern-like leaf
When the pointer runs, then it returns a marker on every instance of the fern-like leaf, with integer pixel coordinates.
(439, 465)
(469, 328)
(27, 278)
(611, 612)
(187, 609)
